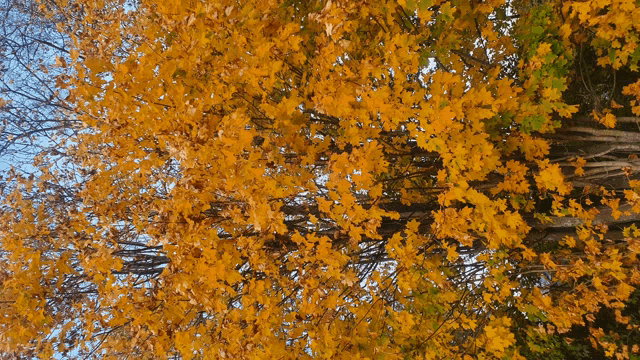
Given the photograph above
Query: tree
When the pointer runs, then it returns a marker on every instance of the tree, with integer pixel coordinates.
(335, 179)
(33, 110)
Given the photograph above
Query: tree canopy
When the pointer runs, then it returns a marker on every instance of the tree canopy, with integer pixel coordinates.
(371, 179)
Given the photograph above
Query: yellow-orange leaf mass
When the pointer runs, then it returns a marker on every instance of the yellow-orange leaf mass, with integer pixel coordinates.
(286, 179)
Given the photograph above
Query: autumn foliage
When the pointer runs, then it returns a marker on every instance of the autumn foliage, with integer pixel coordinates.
(290, 179)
